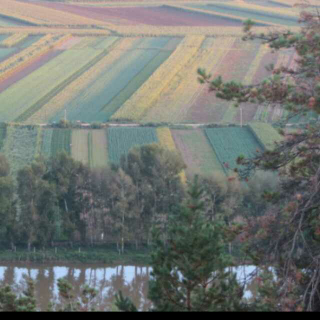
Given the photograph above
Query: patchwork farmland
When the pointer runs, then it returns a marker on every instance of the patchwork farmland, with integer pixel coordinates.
(204, 150)
(135, 62)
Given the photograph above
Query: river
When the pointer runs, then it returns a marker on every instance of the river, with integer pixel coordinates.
(108, 280)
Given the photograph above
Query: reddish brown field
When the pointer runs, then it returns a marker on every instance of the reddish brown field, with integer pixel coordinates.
(234, 66)
(156, 16)
(40, 61)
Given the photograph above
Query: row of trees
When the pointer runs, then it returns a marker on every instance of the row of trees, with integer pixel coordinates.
(61, 201)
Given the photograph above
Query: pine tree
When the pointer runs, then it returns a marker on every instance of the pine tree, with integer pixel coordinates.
(190, 262)
(288, 236)
(190, 267)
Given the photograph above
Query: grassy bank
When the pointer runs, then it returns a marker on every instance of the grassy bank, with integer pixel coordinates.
(84, 255)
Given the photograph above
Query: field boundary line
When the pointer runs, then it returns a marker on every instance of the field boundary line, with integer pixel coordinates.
(41, 102)
(143, 99)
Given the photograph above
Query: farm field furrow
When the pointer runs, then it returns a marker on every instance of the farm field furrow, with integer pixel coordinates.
(121, 140)
(20, 147)
(81, 84)
(14, 40)
(196, 151)
(152, 15)
(173, 105)
(231, 142)
(34, 13)
(32, 66)
(46, 142)
(98, 148)
(266, 133)
(206, 107)
(254, 68)
(106, 94)
(145, 98)
(23, 95)
(26, 56)
(79, 145)
(61, 141)
(59, 87)
(254, 14)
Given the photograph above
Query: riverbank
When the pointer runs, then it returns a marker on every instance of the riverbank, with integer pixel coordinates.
(83, 255)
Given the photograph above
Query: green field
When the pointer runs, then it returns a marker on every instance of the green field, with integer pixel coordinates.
(61, 141)
(117, 83)
(121, 140)
(231, 142)
(26, 96)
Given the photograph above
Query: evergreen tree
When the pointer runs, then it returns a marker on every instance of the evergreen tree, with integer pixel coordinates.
(8, 226)
(287, 236)
(190, 263)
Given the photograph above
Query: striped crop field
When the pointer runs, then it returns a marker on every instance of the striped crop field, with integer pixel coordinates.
(144, 98)
(266, 134)
(36, 14)
(14, 40)
(163, 15)
(63, 99)
(98, 148)
(86, 146)
(204, 107)
(177, 98)
(231, 142)
(196, 151)
(79, 145)
(21, 146)
(61, 141)
(27, 56)
(244, 11)
(121, 140)
(28, 95)
(118, 81)
(46, 142)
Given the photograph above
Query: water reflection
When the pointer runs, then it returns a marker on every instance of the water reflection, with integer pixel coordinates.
(108, 280)
(131, 280)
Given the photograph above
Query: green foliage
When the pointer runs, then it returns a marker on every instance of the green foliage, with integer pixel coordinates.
(190, 262)
(9, 301)
(286, 235)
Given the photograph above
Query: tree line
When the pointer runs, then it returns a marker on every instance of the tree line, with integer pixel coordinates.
(60, 201)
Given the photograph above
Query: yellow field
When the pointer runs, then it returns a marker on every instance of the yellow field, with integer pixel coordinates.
(185, 86)
(27, 56)
(145, 97)
(42, 16)
(166, 141)
(14, 39)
